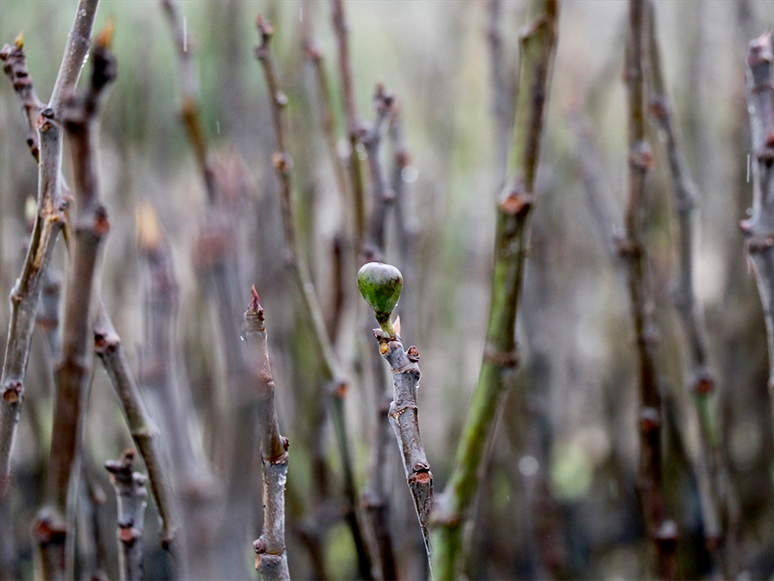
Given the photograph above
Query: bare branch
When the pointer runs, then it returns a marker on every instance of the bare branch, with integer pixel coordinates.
(341, 29)
(132, 495)
(634, 251)
(15, 67)
(48, 224)
(73, 374)
(711, 465)
(500, 359)
(271, 559)
(331, 367)
(107, 345)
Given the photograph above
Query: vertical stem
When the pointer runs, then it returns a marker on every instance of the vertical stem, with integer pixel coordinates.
(662, 532)
(132, 495)
(712, 471)
(500, 357)
(331, 368)
(272, 559)
(73, 374)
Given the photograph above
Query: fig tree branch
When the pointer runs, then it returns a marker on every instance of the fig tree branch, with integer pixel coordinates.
(131, 495)
(271, 554)
(711, 467)
(453, 508)
(662, 532)
(74, 371)
(331, 368)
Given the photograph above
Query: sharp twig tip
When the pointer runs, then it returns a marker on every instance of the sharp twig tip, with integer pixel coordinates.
(255, 301)
(19, 42)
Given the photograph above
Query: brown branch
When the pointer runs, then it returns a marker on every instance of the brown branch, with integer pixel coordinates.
(73, 374)
(381, 190)
(189, 102)
(331, 367)
(15, 67)
(341, 30)
(132, 495)
(271, 559)
(634, 251)
(500, 358)
(48, 224)
(107, 345)
(712, 472)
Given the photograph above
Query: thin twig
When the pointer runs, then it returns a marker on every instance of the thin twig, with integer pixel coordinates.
(132, 500)
(331, 367)
(500, 356)
(272, 558)
(73, 374)
(341, 30)
(381, 190)
(48, 224)
(759, 229)
(108, 347)
(661, 531)
(711, 469)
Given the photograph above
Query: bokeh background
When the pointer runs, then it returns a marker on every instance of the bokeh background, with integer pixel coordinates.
(558, 497)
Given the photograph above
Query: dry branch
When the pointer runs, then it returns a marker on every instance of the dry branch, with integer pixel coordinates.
(661, 531)
(132, 500)
(330, 364)
(73, 373)
(711, 467)
(341, 30)
(48, 224)
(271, 559)
(107, 341)
(500, 358)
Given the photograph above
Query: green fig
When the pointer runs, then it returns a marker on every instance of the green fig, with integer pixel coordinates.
(380, 284)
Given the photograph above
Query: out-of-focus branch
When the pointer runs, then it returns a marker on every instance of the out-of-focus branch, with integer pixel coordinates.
(661, 531)
(331, 368)
(500, 359)
(168, 395)
(15, 67)
(272, 558)
(376, 496)
(48, 223)
(381, 190)
(711, 468)
(341, 30)
(107, 345)
(328, 118)
(189, 102)
(501, 92)
(759, 229)
(73, 374)
(132, 500)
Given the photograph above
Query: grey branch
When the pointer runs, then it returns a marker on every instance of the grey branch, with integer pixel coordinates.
(271, 554)
(132, 500)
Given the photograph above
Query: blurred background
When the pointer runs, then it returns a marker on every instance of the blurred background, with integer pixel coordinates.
(558, 499)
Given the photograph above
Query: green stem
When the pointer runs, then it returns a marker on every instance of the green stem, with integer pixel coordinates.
(453, 508)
